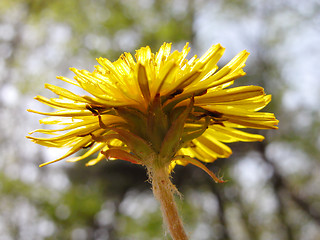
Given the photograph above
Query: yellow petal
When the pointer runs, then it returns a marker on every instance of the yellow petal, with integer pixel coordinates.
(65, 113)
(74, 149)
(92, 150)
(212, 146)
(65, 93)
(226, 134)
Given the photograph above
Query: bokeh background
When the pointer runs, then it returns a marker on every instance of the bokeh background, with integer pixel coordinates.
(273, 190)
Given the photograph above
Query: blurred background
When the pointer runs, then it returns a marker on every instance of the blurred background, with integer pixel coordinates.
(273, 188)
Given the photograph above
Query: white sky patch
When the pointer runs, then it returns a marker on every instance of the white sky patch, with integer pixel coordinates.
(214, 27)
(9, 95)
(29, 173)
(51, 153)
(56, 179)
(288, 158)
(45, 227)
(59, 33)
(251, 171)
(5, 50)
(137, 204)
(127, 39)
(298, 56)
(206, 201)
(100, 43)
(252, 174)
(202, 231)
(6, 32)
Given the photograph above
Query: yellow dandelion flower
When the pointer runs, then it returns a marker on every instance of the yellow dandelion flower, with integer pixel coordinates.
(159, 104)
(157, 110)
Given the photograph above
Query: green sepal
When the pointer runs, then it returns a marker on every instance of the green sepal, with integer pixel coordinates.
(157, 123)
(171, 141)
(135, 119)
(135, 143)
(176, 112)
(184, 160)
(121, 155)
(143, 81)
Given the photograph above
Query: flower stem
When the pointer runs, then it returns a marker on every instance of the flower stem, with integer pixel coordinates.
(163, 190)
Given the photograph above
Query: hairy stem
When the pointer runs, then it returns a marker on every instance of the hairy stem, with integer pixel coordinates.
(164, 190)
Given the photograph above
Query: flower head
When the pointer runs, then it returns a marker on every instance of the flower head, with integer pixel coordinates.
(157, 109)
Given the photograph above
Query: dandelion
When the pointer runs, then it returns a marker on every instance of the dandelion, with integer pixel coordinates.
(157, 110)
